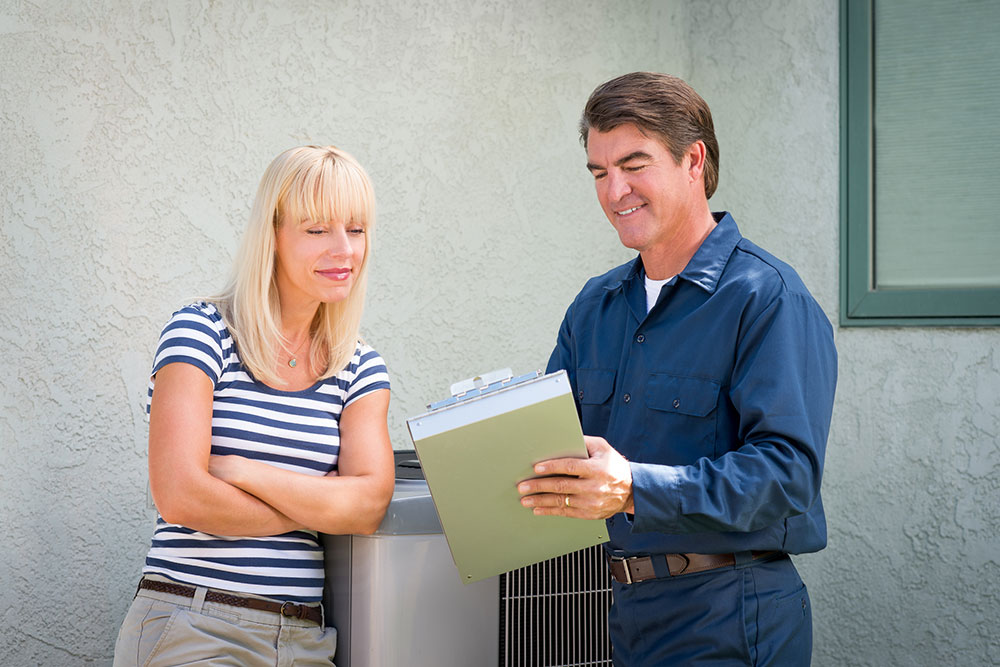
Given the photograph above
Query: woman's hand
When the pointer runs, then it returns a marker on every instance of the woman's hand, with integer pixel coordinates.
(226, 468)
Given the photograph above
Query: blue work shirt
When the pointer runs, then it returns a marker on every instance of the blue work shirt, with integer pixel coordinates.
(720, 398)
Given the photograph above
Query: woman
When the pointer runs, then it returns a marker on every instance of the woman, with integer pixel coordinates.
(267, 424)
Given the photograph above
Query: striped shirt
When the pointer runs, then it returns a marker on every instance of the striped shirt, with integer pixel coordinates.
(293, 430)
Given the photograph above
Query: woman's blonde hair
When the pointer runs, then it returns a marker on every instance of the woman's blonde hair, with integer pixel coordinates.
(320, 183)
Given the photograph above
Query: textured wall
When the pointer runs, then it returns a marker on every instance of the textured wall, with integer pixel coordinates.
(133, 135)
(132, 138)
(912, 487)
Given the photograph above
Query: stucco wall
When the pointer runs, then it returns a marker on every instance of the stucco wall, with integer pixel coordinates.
(132, 138)
(134, 134)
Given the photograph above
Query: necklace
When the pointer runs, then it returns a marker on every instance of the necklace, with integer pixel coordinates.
(292, 361)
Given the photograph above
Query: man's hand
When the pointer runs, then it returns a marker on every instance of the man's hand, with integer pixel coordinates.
(592, 488)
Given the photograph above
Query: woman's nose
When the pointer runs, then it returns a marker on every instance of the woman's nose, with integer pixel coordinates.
(340, 243)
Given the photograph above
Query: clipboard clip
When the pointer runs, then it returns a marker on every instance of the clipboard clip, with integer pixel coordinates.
(482, 384)
(480, 381)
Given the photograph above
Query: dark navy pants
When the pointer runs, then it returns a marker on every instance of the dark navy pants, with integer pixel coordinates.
(758, 614)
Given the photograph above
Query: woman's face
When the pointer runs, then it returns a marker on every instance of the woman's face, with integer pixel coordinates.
(317, 262)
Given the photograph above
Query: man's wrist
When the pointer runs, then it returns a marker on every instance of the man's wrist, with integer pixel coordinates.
(629, 507)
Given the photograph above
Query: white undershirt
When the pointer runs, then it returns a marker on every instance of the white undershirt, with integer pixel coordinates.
(653, 290)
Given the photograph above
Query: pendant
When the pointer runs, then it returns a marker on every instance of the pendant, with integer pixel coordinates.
(291, 362)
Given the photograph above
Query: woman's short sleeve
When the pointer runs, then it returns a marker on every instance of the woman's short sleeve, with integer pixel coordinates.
(193, 336)
(369, 374)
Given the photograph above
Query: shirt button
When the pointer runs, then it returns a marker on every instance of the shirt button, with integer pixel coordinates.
(640, 338)
(627, 397)
(579, 394)
(677, 403)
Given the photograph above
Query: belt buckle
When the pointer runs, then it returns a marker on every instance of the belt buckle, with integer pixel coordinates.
(624, 562)
(296, 613)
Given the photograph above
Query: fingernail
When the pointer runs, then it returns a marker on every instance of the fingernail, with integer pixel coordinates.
(539, 468)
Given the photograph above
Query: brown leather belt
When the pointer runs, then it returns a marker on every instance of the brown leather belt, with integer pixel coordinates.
(641, 568)
(290, 609)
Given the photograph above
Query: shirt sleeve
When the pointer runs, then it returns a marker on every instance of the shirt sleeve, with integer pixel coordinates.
(782, 388)
(191, 337)
(562, 356)
(370, 375)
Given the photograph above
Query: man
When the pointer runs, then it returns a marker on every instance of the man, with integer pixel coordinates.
(704, 374)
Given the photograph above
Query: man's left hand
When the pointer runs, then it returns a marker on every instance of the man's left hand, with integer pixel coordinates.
(591, 488)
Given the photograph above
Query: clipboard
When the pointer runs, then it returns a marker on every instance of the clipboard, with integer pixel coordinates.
(476, 446)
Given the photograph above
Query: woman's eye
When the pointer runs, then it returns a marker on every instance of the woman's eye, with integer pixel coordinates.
(356, 230)
(315, 231)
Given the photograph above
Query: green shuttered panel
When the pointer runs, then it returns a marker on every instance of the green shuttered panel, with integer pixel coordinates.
(921, 162)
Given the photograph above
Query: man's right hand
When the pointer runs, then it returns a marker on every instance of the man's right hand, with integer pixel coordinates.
(593, 488)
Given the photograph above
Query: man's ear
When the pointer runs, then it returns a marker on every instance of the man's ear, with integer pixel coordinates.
(696, 154)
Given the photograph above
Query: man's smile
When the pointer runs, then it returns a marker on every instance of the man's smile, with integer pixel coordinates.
(628, 211)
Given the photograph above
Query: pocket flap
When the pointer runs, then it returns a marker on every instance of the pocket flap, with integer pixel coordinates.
(594, 385)
(687, 396)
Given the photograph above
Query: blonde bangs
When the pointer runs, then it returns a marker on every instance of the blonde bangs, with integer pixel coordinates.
(329, 190)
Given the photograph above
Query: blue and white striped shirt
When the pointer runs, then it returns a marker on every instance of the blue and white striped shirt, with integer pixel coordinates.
(294, 430)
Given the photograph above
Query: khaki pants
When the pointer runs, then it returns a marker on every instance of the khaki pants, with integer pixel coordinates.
(162, 629)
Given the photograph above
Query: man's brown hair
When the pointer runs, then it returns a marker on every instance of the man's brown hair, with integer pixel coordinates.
(659, 105)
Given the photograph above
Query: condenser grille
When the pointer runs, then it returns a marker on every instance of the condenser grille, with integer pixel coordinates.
(555, 613)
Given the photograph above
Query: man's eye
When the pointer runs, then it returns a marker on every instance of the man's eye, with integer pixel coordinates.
(598, 175)
(635, 168)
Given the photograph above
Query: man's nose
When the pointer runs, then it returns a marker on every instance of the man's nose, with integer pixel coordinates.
(618, 185)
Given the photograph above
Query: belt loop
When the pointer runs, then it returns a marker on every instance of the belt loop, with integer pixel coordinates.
(199, 599)
(742, 558)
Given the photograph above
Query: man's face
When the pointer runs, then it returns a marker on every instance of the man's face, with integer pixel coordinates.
(647, 196)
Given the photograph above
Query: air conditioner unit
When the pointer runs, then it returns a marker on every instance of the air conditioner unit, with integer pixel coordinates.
(396, 598)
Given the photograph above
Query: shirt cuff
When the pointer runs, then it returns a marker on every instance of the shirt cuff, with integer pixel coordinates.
(656, 497)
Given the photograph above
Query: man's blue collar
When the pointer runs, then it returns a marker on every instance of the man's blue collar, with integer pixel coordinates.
(706, 266)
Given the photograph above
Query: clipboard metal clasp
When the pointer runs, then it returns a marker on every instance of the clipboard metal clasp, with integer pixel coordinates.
(480, 381)
(482, 384)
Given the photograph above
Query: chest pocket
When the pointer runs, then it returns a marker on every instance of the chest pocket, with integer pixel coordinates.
(682, 411)
(594, 387)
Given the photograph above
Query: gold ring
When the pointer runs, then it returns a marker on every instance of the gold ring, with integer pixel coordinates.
(566, 500)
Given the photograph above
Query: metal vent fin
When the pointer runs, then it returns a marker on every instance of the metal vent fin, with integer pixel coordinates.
(555, 613)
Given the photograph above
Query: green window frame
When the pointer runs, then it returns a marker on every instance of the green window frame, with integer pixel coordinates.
(863, 303)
